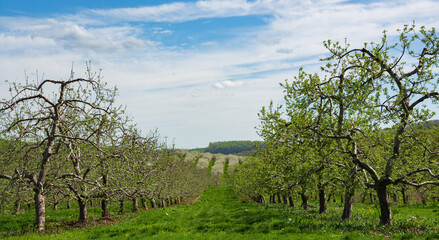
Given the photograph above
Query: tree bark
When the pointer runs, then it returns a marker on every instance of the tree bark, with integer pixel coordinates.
(153, 205)
(272, 199)
(121, 206)
(305, 203)
(104, 208)
(144, 205)
(322, 200)
(135, 204)
(17, 207)
(68, 204)
(82, 210)
(386, 214)
(348, 203)
(40, 210)
(404, 197)
(278, 198)
(284, 199)
(291, 201)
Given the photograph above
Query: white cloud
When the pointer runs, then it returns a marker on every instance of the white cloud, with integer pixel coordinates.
(42, 34)
(182, 11)
(228, 84)
(158, 30)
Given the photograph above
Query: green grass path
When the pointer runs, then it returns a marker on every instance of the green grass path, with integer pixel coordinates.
(218, 214)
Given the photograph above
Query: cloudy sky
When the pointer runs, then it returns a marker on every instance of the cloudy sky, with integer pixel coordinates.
(198, 71)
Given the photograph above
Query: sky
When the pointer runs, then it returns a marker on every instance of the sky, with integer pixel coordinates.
(197, 71)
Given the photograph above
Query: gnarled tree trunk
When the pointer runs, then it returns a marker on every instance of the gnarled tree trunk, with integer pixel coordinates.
(40, 210)
(348, 203)
(82, 203)
(386, 214)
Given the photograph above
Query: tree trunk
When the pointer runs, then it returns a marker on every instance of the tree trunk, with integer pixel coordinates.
(348, 203)
(40, 210)
(305, 203)
(262, 199)
(55, 205)
(17, 207)
(284, 199)
(404, 197)
(104, 208)
(121, 206)
(272, 199)
(68, 204)
(322, 200)
(291, 201)
(371, 197)
(135, 204)
(82, 210)
(386, 214)
(278, 198)
(153, 205)
(144, 205)
(104, 201)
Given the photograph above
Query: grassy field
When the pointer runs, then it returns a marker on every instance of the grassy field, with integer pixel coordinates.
(220, 214)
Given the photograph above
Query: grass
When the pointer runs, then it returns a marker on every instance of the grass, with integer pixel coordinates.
(220, 214)
(211, 163)
(59, 220)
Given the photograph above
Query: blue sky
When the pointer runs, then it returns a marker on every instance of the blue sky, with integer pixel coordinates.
(198, 71)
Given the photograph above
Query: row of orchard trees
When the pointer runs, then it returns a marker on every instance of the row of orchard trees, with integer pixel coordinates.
(65, 140)
(357, 123)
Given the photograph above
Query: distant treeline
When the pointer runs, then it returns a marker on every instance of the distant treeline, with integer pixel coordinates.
(429, 124)
(233, 147)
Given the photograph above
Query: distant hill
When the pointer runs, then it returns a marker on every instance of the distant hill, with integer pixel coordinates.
(230, 147)
(233, 147)
(429, 124)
